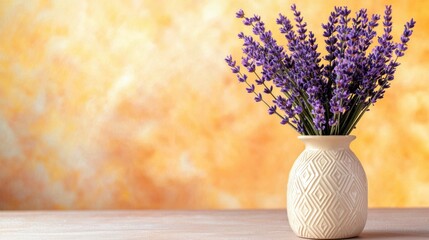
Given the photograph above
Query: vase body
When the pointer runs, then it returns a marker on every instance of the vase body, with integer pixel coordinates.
(327, 193)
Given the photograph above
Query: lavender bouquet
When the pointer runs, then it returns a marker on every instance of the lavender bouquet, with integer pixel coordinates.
(318, 97)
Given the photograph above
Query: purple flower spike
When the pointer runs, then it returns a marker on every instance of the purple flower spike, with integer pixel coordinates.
(402, 46)
(230, 62)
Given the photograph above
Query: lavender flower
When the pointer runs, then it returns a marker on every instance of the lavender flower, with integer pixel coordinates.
(240, 14)
(316, 97)
(258, 97)
(251, 89)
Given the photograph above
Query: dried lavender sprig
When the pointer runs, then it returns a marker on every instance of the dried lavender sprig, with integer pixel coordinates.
(272, 61)
(251, 89)
(299, 47)
(390, 71)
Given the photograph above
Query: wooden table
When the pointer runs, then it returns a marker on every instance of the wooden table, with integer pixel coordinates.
(226, 224)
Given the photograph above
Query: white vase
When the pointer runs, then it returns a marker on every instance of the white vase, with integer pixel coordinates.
(327, 193)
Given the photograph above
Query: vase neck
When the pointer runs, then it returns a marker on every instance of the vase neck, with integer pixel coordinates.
(327, 142)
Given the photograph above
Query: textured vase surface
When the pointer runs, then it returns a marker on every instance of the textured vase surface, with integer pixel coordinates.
(327, 193)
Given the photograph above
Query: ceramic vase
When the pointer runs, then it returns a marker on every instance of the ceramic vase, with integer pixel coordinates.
(327, 192)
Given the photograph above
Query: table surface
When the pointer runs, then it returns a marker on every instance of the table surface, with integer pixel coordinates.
(193, 224)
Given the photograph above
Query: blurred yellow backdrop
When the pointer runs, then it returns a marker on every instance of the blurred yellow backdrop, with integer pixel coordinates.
(129, 104)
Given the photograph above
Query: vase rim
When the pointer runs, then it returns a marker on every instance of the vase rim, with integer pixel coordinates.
(327, 141)
(351, 137)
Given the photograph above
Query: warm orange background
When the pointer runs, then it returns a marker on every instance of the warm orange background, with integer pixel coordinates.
(129, 104)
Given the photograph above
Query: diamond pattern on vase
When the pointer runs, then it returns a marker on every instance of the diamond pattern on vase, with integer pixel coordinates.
(324, 226)
(327, 194)
(308, 176)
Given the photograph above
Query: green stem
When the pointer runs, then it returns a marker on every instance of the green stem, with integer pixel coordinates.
(366, 107)
(351, 115)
